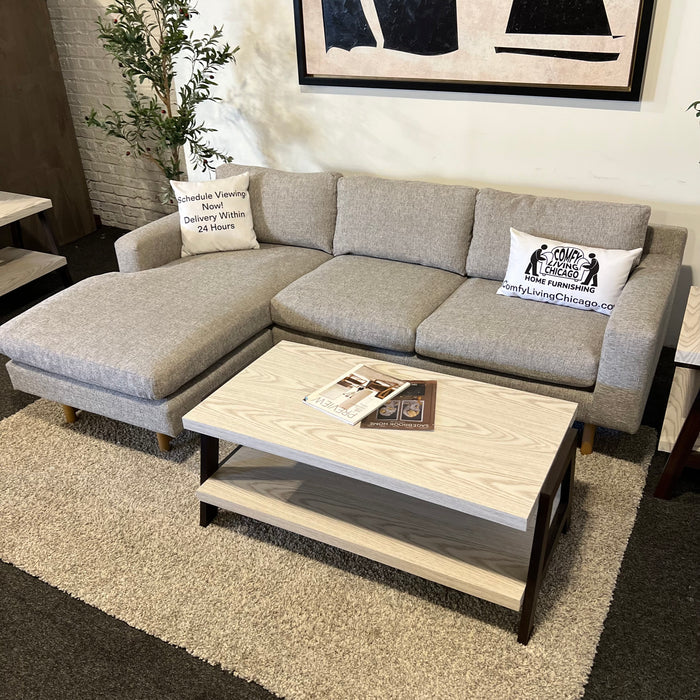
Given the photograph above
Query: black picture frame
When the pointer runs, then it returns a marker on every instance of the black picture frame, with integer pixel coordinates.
(631, 91)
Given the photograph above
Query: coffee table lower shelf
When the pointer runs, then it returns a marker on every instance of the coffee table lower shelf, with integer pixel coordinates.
(485, 559)
(19, 267)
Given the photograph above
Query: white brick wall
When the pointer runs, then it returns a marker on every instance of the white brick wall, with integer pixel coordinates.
(124, 190)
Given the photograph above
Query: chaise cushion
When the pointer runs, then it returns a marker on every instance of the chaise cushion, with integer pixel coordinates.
(147, 333)
(594, 224)
(418, 222)
(290, 208)
(367, 301)
(476, 327)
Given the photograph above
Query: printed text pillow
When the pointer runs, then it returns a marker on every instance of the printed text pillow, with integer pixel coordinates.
(567, 274)
(215, 215)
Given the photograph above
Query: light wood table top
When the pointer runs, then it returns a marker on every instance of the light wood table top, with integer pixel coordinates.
(488, 456)
(14, 207)
(688, 350)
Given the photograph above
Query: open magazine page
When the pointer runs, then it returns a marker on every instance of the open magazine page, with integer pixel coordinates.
(413, 409)
(356, 393)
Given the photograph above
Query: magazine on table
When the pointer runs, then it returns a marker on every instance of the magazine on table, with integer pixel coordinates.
(413, 409)
(356, 393)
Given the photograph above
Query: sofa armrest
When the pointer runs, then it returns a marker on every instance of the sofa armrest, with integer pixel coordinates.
(632, 343)
(152, 245)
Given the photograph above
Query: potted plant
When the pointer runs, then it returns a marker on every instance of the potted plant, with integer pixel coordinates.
(149, 40)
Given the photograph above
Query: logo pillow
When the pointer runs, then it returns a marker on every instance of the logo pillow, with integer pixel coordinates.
(566, 274)
(215, 215)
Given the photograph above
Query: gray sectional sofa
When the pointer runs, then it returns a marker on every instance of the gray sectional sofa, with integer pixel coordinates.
(405, 271)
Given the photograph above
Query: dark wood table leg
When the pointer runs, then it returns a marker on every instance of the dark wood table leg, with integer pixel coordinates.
(208, 464)
(53, 247)
(16, 231)
(48, 232)
(548, 528)
(65, 276)
(680, 454)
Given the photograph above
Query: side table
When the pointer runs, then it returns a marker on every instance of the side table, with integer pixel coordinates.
(679, 434)
(17, 265)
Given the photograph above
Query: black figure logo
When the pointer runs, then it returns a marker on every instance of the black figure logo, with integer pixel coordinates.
(537, 257)
(422, 27)
(592, 266)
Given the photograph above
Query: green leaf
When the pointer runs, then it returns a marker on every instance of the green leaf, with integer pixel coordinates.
(146, 40)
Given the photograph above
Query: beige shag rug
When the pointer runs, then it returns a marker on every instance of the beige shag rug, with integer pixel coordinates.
(94, 510)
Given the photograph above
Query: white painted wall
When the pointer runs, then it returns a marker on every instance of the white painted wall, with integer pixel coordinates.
(642, 152)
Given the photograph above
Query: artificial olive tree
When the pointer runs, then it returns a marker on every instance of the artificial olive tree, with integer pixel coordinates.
(149, 40)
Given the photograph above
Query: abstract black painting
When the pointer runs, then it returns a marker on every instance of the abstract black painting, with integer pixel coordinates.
(569, 48)
(345, 25)
(558, 17)
(423, 27)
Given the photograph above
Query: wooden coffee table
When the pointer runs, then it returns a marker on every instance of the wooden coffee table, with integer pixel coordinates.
(477, 504)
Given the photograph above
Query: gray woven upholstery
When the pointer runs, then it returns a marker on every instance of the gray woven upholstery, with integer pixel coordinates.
(147, 334)
(146, 347)
(150, 246)
(160, 415)
(633, 341)
(372, 302)
(416, 222)
(599, 224)
(478, 328)
(663, 239)
(290, 208)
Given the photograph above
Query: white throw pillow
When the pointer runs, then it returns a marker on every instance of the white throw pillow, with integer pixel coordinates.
(215, 215)
(566, 274)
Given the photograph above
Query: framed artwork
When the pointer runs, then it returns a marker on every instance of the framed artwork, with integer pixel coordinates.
(565, 48)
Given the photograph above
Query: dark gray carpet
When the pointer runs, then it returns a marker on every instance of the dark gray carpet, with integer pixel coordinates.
(52, 646)
(649, 647)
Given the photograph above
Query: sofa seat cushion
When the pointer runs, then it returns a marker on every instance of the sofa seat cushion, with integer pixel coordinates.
(368, 301)
(478, 328)
(147, 333)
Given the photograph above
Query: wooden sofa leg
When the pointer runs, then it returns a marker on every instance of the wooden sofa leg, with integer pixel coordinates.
(69, 413)
(163, 442)
(587, 438)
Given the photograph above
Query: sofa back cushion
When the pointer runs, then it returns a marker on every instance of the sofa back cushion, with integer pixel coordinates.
(290, 208)
(416, 222)
(595, 224)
